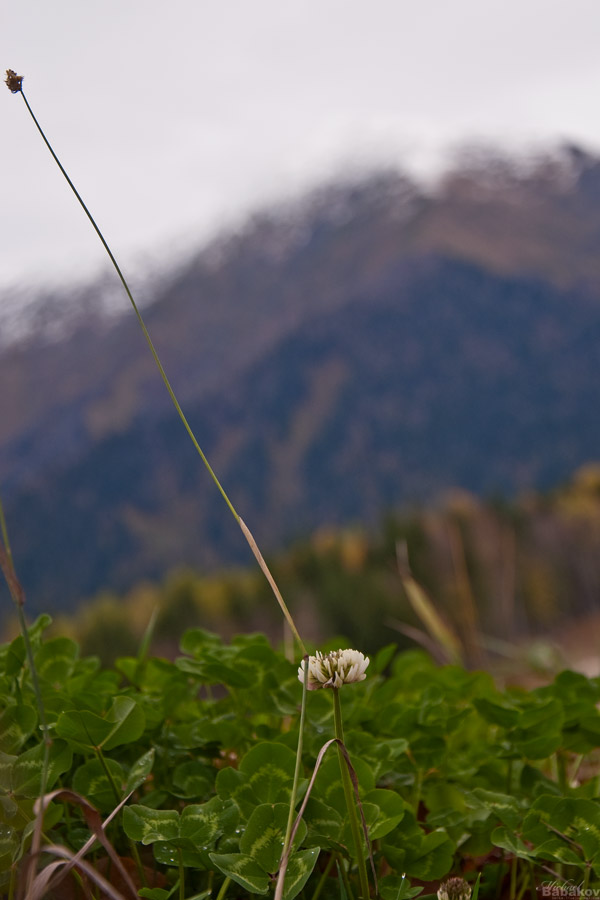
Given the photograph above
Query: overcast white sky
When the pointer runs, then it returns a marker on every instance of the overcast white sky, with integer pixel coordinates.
(175, 117)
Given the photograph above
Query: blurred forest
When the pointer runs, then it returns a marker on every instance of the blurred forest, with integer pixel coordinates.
(517, 583)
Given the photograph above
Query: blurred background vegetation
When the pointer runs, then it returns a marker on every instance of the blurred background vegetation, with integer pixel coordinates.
(345, 360)
(516, 583)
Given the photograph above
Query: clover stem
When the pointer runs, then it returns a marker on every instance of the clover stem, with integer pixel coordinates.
(285, 852)
(513, 878)
(223, 889)
(342, 873)
(181, 876)
(324, 877)
(108, 773)
(561, 768)
(417, 790)
(532, 885)
(586, 878)
(298, 768)
(12, 882)
(347, 785)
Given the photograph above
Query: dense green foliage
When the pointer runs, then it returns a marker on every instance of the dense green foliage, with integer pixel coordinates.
(455, 775)
(182, 777)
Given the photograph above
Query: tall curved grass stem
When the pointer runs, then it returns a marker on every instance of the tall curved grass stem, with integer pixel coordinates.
(261, 562)
(135, 309)
(165, 379)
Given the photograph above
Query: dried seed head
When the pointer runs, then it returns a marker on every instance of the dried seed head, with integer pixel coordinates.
(332, 670)
(13, 81)
(454, 889)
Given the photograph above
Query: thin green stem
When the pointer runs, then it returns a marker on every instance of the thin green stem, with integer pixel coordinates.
(323, 878)
(181, 876)
(561, 768)
(500, 876)
(298, 768)
(509, 776)
(577, 761)
(12, 882)
(417, 791)
(107, 772)
(165, 379)
(224, 887)
(586, 877)
(524, 886)
(532, 881)
(285, 852)
(513, 878)
(135, 309)
(341, 865)
(347, 785)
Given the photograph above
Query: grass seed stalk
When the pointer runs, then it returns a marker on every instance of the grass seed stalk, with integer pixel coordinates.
(14, 83)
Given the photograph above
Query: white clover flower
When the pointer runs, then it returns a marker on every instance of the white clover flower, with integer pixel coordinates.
(332, 670)
(455, 888)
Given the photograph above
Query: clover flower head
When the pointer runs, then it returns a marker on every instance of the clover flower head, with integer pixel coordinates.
(455, 888)
(13, 81)
(332, 670)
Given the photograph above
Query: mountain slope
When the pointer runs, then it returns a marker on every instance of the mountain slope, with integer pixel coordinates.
(369, 347)
(446, 376)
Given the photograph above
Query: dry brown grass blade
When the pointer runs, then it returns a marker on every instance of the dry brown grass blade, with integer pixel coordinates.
(353, 777)
(267, 573)
(14, 585)
(42, 881)
(441, 633)
(436, 652)
(467, 607)
(96, 826)
(90, 843)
